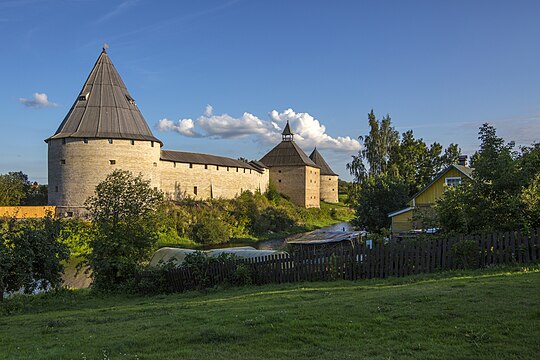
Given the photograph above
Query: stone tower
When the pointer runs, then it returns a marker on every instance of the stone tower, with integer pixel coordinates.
(293, 172)
(329, 179)
(104, 130)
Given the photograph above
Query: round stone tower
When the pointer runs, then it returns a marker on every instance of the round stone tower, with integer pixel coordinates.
(329, 179)
(103, 131)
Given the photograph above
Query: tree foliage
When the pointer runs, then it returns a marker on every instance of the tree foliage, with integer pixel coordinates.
(16, 189)
(124, 213)
(401, 165)
(503, 195)
(31, 254)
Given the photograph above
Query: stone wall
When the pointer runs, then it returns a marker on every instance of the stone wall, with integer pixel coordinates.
(199, 181)
(300, 183)
(313, 187)
(76, 166)
(329, 188)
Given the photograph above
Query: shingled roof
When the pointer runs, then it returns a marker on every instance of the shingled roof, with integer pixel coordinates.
(205, 159)
(287, 153)
(319, 160)
(104, 109)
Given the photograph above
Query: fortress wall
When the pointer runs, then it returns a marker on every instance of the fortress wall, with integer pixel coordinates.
(329, 188)
(291, 181)
(76, 167)
(313, 189)
(179, 180)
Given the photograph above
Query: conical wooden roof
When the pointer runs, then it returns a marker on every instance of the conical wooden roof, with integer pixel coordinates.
(287, 153)
(319, 160)
(104, 109)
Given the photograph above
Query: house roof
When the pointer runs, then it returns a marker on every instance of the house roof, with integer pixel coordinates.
(287, 153)
(104, 108)
(467, 171)
(205, 159)
(398, 212)
(319, 160)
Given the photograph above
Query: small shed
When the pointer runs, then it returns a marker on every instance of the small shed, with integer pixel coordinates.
(323, 242)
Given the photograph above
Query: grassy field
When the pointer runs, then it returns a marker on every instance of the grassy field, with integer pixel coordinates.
(487, 314)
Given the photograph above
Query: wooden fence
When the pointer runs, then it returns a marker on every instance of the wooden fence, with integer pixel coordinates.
(379, 260)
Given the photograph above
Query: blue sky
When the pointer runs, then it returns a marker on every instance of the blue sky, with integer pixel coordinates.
(441, 68)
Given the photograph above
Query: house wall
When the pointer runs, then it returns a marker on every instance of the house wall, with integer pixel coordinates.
(435, 191)
(329, 188)
(76, 167)
(178, 180)
(402, 222)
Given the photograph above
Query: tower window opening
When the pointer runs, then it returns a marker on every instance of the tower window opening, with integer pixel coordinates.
(83, 97)
(279, 180)
(217, 167)
(62, 161)
(236, 169)
(56, 188)
(155, 164)
(191, 166)
(152, 143)
(132, 142)
(244, 170)
(110, 141)
(227, 168)
(195, 190)
(85, 140)
(112, 162)
(130, 100)
(206, 167)
(63, 141)
(174, 164)
(69, 213)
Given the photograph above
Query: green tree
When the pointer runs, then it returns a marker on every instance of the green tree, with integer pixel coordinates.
(124, 213)
(13, 188)
(378, 196)
(31, 254)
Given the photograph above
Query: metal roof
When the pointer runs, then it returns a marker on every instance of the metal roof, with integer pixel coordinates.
(319, 160)
(315, 238)
(104, 109)
(287, 153)
(205, 159)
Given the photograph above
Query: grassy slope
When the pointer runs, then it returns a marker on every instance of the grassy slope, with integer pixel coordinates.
(489, 314)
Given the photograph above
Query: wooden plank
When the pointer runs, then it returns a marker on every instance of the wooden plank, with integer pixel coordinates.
(526, 245)
(535, 244)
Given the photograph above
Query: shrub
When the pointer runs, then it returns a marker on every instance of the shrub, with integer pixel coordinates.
(210, 230)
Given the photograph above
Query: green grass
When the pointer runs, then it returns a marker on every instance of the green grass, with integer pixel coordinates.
(487, 314)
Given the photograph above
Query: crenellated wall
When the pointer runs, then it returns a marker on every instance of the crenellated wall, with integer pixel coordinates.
(200, 181)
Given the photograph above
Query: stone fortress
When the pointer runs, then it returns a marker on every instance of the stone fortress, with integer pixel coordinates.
(104, 130)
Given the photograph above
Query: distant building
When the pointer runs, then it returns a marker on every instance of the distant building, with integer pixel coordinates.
(329, 179)
(293, 172)
(104, 130)
(453, 175)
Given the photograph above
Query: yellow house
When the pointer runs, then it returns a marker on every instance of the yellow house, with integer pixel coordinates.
(26, 212)
(453, 175)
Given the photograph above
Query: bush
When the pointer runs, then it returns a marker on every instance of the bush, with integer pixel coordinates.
(210, 230)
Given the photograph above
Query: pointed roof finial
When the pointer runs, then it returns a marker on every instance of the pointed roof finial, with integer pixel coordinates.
(105, 47)
(287, 134)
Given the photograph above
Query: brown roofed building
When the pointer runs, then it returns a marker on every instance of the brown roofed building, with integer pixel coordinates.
(104, 130)
(293, 172)
(329, 179)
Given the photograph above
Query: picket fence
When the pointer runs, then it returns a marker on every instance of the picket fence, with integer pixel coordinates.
(361, 261)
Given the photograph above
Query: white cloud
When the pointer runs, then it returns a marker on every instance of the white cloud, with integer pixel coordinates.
(40, 100)
(184, 127)
(309, 132)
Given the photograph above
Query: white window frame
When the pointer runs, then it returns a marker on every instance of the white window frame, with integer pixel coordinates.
(446, 180)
